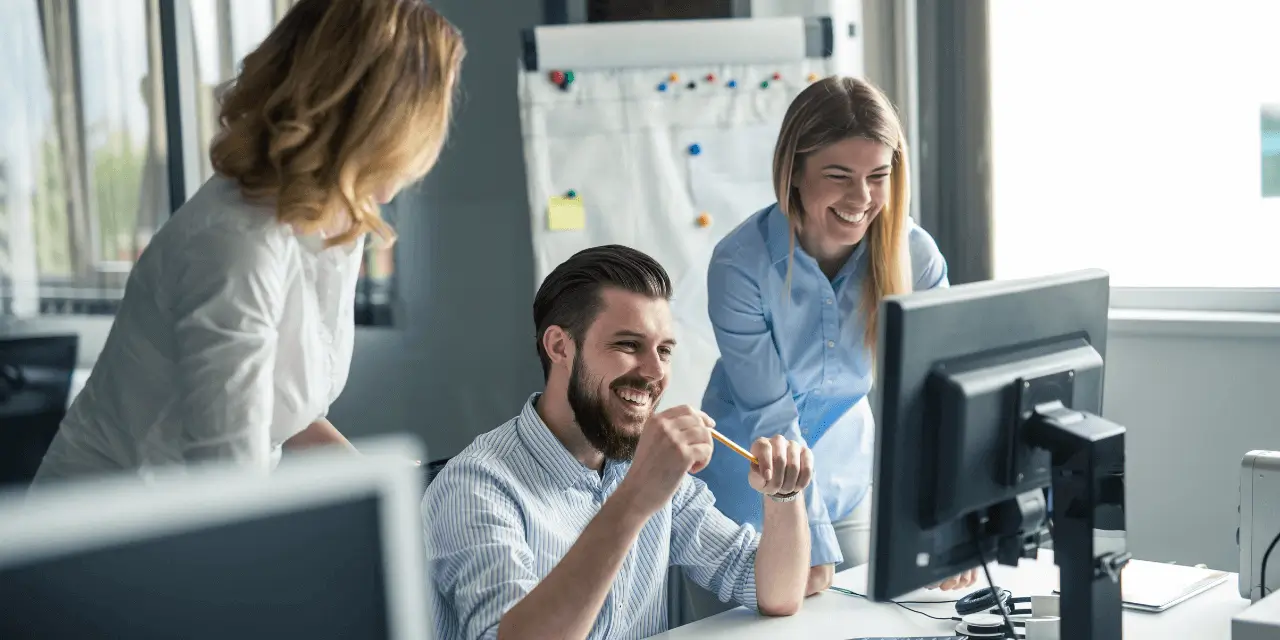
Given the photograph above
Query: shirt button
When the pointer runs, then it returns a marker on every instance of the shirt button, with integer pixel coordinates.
(828, 301)
(829, 381)
(831, 344)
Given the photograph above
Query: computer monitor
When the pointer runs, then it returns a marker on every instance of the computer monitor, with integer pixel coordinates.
(328, 546)
(990, 393)
(35, 381)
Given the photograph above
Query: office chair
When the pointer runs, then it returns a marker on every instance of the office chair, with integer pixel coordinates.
(35, 386)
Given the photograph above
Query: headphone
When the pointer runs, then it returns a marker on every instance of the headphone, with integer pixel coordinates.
(979, 614)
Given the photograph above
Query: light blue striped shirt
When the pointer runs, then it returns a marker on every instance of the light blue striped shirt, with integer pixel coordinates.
(501, 514)
(795, 367)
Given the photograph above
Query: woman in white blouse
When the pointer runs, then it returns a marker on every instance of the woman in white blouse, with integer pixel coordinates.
(236, 328)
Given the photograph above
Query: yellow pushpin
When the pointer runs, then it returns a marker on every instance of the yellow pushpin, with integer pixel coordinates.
(704, 220)
(813, 77)
(674, 77)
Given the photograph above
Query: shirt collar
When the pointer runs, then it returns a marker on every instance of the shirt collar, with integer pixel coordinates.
(314, 243)
(560, 465)
(777, 231)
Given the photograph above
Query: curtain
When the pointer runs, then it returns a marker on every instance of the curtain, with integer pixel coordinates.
(954, 111)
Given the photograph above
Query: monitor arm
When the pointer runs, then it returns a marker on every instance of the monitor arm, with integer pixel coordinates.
(1087, 453)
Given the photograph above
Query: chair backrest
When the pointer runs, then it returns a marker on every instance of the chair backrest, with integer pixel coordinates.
(35, 384)
(434, 468)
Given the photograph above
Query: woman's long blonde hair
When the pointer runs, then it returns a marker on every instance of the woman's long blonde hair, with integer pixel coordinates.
(340, 99)
(828, 111)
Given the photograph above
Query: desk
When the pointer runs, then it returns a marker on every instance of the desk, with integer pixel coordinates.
(834, 616)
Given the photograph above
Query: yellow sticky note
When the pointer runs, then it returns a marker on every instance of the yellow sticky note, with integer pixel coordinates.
(565, 213)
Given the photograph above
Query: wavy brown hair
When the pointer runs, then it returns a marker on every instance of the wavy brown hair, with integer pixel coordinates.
(341, 98)
(828, 111)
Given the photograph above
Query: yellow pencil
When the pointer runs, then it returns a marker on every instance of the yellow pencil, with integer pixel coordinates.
(733, 445)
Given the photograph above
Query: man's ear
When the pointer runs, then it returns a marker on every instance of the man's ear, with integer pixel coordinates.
(558, 344)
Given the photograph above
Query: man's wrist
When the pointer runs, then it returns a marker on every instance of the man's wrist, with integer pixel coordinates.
(783, 501)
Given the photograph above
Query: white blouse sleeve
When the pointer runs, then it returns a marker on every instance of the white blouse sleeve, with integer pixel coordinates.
(228, 302)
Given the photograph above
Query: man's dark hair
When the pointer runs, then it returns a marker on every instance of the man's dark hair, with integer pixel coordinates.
(570, 295)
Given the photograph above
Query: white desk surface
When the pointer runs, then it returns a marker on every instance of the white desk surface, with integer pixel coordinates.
(835, 616)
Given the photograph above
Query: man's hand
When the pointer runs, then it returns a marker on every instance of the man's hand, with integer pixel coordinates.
(782, 561)
(958, 582)
(785, 466)
(674, 443)
(819, 579)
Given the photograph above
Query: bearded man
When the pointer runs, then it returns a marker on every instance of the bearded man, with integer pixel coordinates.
(563, 522)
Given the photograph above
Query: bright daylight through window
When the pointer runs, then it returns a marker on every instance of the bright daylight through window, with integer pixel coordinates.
(1141, 137)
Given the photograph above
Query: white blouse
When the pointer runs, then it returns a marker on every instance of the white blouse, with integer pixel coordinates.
(234, 334)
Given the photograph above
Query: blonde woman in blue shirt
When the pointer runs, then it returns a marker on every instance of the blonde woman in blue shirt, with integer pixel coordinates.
(793, 295)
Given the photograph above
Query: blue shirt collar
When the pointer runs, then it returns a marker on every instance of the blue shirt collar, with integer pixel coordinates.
(560, 466)
(777, 237)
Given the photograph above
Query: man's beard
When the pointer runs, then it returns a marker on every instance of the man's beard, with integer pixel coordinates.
(592, 415)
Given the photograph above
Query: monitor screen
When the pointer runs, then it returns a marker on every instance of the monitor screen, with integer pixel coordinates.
(312, 573)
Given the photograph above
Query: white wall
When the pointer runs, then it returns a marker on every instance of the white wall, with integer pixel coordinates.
(843, 14)
(1195, 396)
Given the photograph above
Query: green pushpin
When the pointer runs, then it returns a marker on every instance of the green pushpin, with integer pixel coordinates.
(568, 78)
(571, 194)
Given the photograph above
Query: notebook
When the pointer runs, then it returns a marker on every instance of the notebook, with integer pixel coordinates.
(1156, 586)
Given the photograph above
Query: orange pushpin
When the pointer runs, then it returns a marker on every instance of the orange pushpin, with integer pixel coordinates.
(675, 77)
(704, 220)
(813, 77)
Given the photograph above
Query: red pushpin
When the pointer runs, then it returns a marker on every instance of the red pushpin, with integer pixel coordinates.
(777, 76)
(557, 77)
(711, 77)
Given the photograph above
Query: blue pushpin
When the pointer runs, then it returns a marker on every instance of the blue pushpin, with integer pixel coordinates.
(695, 149)
(571, 194)
(733, 83)
(662, 87)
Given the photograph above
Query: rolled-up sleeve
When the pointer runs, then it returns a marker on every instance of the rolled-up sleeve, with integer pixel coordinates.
(715, 552)
(480, 562)
(228, 305)
(758, 382)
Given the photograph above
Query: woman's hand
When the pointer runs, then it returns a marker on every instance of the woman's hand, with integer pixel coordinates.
(819, 579)
(320, 433)
(966, 579)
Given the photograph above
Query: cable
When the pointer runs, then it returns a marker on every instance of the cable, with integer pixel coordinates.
(902, 603)
(1265, 557)
(1004, 613)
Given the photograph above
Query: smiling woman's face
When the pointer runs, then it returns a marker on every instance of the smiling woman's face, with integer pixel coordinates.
(843, 187)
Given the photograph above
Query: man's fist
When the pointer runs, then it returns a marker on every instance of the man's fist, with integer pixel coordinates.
(673, 443)
(785, 466)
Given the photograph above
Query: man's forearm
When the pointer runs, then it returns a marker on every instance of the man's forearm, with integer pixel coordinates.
(782, 562)
(566, 603)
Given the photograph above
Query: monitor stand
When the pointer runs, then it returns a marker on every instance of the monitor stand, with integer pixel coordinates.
(1087, 453)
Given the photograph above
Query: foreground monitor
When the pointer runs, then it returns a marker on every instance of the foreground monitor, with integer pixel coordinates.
(991, 394)
(329, 546)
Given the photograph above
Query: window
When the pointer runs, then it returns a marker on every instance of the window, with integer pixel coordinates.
(1125, 136)
(84, 168)
(81, 167)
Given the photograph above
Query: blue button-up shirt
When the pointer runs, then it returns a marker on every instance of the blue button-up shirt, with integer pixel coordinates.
(501, 515)
(796, 367)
